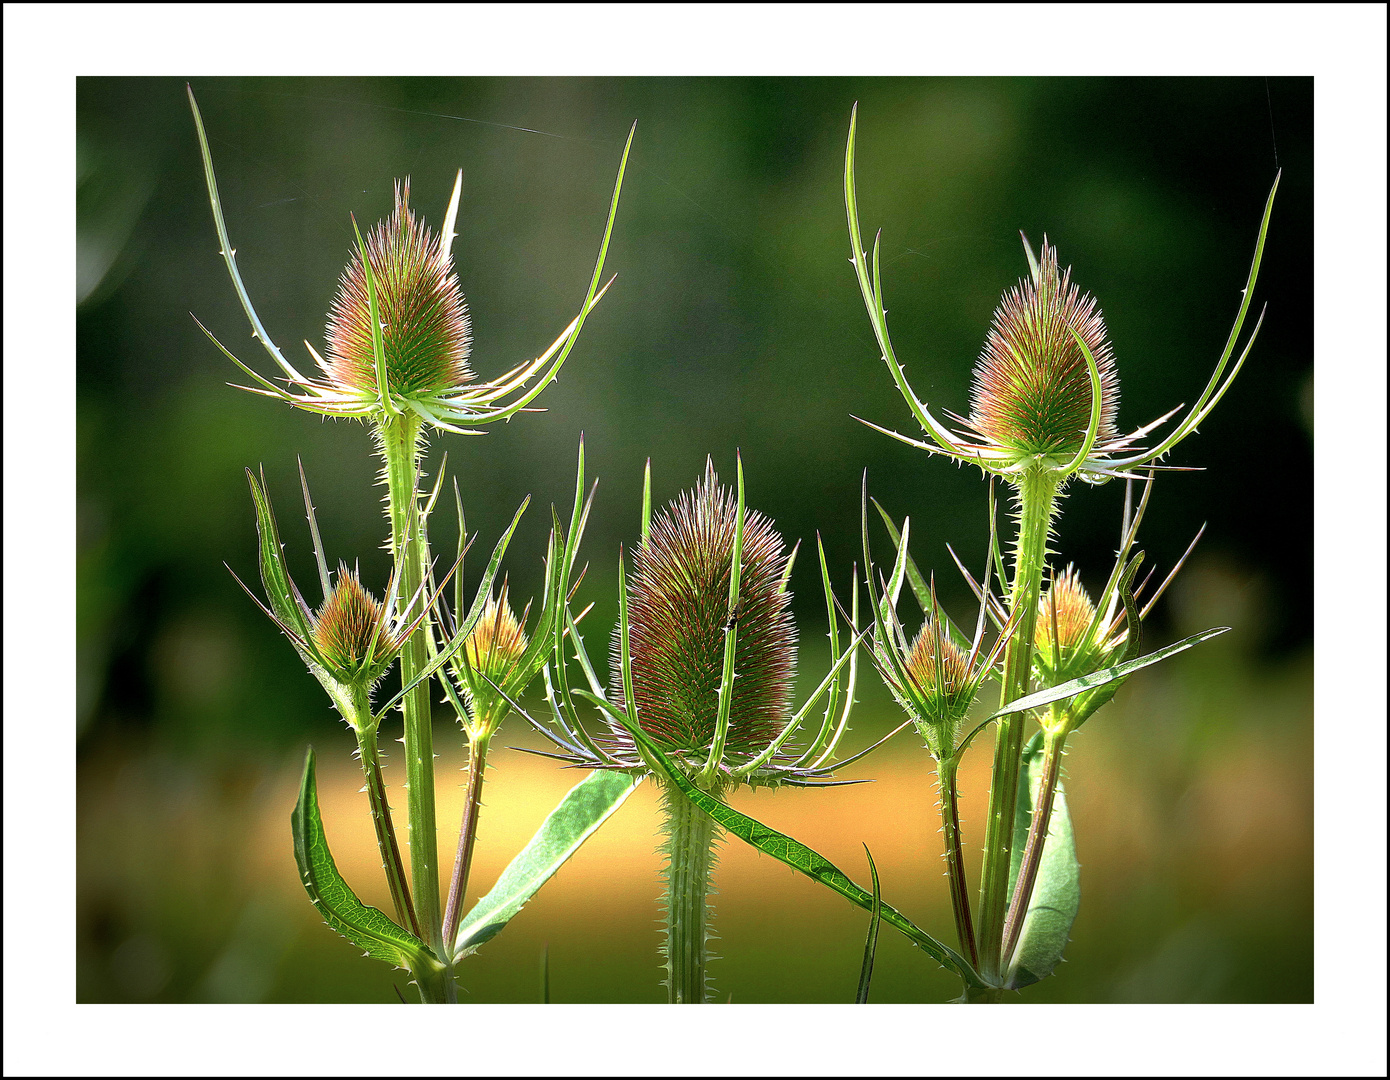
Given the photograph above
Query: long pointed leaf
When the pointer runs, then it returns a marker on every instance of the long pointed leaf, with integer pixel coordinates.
(796, 855)
(586, 806)
(1105, 675)
(366, 927)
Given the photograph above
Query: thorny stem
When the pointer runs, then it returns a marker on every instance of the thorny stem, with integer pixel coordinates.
(1037, 495)
(381, 818)
(1037, 837)
(955, 864)
(468, 834)
(399, 438)
(690, 838)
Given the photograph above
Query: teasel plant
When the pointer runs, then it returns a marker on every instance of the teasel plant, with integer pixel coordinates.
(700, 691)
(397, 358)
(349, 644)
(936, 679)
(1043, 410)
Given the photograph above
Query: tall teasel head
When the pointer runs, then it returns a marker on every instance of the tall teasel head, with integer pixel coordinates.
(419, 306)
(678, 613)
(1032, 393)
(704, 654)
(398, 331)
(1045, 394)
(351, 641)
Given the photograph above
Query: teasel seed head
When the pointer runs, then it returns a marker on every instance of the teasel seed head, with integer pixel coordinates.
(678, 611)
(351, 632)
(424, 321)
(497, 640)
(939, 667)
(1077, 651)
(1032, 390)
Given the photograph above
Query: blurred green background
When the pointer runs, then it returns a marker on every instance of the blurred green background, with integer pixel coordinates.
(735, 323)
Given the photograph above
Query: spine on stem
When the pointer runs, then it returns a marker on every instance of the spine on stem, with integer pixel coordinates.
(689, 849)
(400, 450)
(385, 831)
(468, 834)
(1037, 495)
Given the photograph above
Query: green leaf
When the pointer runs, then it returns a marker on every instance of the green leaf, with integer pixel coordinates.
(795, 854)
(866, 972)
(1057, 892)
(366, 927)
(584, 808)
(1105, 675)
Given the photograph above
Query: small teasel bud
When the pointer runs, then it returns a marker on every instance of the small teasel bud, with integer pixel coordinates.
(1032, 389)
(350, 631)
(941, 672)
(678, 613)
(1066, 610)
(496, 641)
(424, 321)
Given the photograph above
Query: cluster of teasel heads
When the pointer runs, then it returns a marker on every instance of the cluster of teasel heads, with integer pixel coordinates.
(702, 661)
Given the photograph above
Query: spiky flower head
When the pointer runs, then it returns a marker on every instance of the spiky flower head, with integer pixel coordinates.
(497, 640)
(424, 321)
(1069, 641)
(678, 614)
(1032, 391)
(941, 670)
(351, 631)
(491, 667)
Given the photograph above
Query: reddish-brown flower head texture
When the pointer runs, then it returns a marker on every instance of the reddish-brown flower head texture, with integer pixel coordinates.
(940, 669)
(496, 641)
(1068, 603)
(1032, 388)
(678, 610)
(424, 321)
(346, 626)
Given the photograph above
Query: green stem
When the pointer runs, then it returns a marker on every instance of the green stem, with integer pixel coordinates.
(468, 834)
(381, 818)
(399, 438)
(1037, 837)
(690, 838)
(1037, 495)
(955, 864)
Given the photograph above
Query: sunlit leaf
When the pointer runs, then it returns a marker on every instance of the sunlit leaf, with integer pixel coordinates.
(584, 808)
(1057, 891)
(1105, 675)
(366, 927)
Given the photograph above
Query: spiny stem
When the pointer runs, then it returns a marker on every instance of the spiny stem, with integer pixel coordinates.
(385, 831)
(468, 834)
(955, 863)
(400, 450)
(690, 838)
(1033, 850)
(1037, 494)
